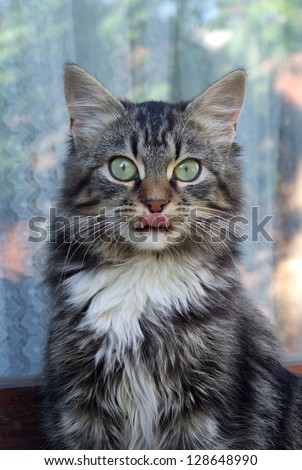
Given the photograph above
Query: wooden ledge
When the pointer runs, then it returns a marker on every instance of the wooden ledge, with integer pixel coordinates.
(20, 423)
(296, 368)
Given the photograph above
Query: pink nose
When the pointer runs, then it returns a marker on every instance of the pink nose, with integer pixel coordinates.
(155, 205)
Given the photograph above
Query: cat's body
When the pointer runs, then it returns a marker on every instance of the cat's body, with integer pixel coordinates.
(153, 343)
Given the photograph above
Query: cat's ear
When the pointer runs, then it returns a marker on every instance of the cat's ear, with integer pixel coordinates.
(217, 109)
(91, 107)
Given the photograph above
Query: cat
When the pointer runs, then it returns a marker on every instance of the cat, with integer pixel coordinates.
(153, 342)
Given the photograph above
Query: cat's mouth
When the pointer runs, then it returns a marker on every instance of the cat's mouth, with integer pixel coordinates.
(155, 221)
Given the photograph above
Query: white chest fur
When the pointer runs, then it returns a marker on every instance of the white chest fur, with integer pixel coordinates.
(119, 296)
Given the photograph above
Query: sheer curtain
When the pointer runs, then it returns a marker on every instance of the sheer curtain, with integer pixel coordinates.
(164, 49)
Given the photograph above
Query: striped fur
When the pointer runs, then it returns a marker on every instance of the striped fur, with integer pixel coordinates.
(152, 341)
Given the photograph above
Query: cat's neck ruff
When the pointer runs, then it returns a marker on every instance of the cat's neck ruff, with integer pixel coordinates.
(119, 295)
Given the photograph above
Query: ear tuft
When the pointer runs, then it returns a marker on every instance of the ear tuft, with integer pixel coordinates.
(91, 107)
(218, 108)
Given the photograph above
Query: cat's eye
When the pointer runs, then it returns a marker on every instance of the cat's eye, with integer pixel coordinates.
(187, 170)
(123, 169)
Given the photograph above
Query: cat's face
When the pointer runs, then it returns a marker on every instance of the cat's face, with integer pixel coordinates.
(152, 176)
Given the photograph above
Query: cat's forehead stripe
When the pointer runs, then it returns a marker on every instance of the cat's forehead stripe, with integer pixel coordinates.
(134, 142)
(155, 121)
(177, 148)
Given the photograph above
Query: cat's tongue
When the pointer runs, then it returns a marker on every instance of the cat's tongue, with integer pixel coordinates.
(155, 220)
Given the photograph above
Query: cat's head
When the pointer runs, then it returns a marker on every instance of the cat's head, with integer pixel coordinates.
(152, 176)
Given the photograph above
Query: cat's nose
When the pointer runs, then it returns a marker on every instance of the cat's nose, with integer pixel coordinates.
(156, 205)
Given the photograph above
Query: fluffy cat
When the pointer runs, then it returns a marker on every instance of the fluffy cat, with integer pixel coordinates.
(152, 341)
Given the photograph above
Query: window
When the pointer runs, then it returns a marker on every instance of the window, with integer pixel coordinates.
(164, 49)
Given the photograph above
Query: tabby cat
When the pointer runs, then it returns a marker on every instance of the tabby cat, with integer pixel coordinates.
(152, 341)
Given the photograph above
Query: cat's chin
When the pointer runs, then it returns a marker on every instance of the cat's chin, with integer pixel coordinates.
(154, 240)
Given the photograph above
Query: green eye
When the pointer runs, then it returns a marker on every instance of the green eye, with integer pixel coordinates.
(187, 170)
(123, 169)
